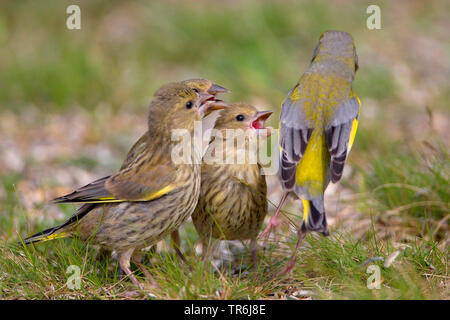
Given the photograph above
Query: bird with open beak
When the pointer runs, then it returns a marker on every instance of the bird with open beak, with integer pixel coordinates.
(232, 203)
(142, 203)
(202, 87)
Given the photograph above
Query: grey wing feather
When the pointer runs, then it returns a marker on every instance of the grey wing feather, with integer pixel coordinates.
(287, 172)
(294, 137)
(338, 134)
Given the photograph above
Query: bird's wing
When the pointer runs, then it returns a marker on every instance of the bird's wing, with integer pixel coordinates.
(340, 133)
(145, 184)
(294, 137)
(94, 192)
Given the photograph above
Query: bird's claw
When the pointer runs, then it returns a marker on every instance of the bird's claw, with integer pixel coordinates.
(274, 224)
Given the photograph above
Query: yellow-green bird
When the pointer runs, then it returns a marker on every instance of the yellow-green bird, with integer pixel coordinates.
(139, 149)
(318, 124)
(139, 205)
(233, 203)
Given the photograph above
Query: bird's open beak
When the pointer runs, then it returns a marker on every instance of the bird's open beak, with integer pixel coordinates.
(263, 115)
(208, 103)
(205, 97)
(258, 123)
(215, 89)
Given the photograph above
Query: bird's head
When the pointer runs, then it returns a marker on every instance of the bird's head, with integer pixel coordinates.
(244, 116)
(200, 86)
(177, 106)
(205, 86)
(337, 49)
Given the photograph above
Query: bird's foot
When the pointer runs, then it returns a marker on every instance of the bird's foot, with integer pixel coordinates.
(274, 224)
(290, 266)
(124, 273)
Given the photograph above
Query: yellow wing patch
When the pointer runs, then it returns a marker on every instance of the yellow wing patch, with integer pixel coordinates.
(107, 199)
(159, 193)
(354, 126)
(101, 201)
(352, 135)
(149, 197)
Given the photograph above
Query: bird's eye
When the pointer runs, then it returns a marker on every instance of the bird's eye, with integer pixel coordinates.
(240, 117)
(189, 105)
(196, 90)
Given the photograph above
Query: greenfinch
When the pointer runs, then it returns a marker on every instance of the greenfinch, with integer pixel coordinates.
(202, 86)
(233, 203)
(141, 204)
(318, 124)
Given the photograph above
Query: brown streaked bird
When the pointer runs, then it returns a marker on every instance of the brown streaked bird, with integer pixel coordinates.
(232, 203)
(202, 86)
(139, 205)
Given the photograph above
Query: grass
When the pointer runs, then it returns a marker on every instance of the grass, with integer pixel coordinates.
(72, 103)
(327, 268)
(335, 267)
(413, 182)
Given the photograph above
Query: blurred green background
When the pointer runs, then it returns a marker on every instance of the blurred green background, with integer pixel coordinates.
(126, 49)
(72, 102)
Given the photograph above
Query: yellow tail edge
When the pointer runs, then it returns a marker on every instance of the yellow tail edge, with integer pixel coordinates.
(50, 237)
(306, 209)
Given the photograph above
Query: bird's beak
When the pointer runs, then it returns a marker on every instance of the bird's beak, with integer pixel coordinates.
(205, 97)
(215, 89)
(207, 103)
(258, 123)
(263, 115)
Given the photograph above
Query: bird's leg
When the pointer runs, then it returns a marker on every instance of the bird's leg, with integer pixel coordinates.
(176, 244)
(253, 248)
(124, 262)
(207, 248)
(137, 260)
(301, 233)
(274, 222)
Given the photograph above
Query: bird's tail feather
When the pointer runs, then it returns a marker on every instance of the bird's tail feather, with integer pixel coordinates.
(63, 230)
(314, 218)
(45, 235)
